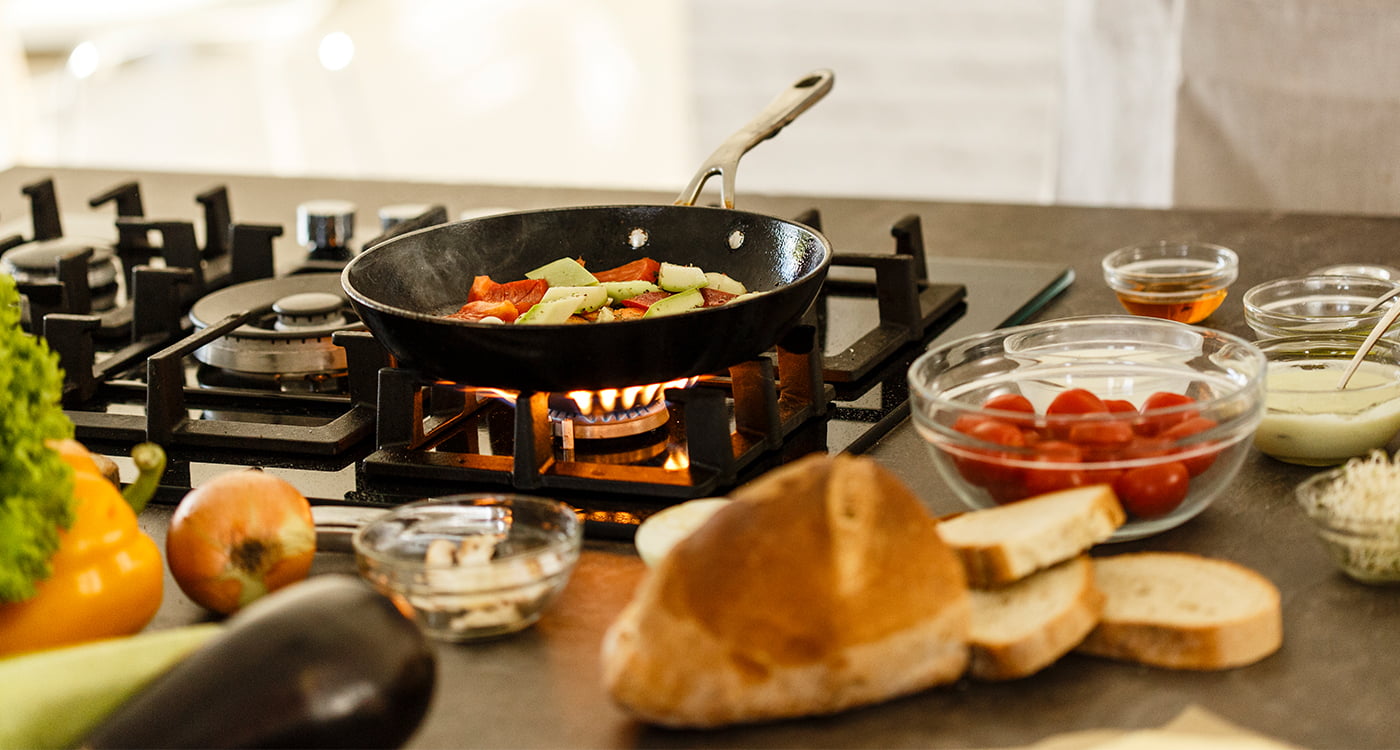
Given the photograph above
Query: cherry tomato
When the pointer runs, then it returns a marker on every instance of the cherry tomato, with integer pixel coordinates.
(1105, 434)
(1066, 409)
(1119, 406)
(1156, 424)
(1146, 447)
(1153, 491)
(1038, 481)
(1197, 465)
(991, 470)
(1009, 402)
(1076, 401)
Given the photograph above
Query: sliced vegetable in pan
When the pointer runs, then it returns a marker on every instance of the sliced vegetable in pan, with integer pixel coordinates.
(565, 291)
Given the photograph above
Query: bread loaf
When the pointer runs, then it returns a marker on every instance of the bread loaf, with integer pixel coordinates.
(824, 585)
(1184, 611)
(1020, 629)
(1009, 542)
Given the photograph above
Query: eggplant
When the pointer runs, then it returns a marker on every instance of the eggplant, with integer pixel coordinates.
(327, 662)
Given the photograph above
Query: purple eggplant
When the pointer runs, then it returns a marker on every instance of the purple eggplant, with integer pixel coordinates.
(327, 662)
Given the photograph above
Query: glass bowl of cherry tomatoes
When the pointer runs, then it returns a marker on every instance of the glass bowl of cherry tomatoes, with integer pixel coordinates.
(1162, 411)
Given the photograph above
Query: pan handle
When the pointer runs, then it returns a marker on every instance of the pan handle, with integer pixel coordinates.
(784, 109)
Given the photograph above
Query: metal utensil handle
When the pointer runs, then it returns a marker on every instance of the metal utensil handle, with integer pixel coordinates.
(773, 118)
(1382, 325)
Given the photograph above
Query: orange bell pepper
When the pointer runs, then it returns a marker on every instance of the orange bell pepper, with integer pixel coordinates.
(107, 579)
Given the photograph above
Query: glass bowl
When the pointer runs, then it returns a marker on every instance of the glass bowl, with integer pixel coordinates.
(471, 566)
(1307, 420)
(1316, 304)
(1361, 534)
(1006, 416)
(1181, 281)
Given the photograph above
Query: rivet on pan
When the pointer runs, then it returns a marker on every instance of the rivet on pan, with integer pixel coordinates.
(637, 238)
(736, 239)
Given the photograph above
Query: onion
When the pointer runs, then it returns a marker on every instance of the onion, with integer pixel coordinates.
(239, 536)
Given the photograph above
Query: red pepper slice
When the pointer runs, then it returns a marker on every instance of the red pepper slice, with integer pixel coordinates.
(524, 294)
(644, 269)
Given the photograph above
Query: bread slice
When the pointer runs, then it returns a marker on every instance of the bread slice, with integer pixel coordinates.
(1020, 629)
(1184, 611)
(824, 585)
(1009, 542)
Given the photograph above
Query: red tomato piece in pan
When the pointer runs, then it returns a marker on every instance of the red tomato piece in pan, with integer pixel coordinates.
(524, 294)
(714, 297)
(645, 299)
(505, 311)
(643, 269)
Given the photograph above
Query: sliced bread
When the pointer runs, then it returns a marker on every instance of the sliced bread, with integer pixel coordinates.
(1184, 611)
(1007, 543)
(1019, 629)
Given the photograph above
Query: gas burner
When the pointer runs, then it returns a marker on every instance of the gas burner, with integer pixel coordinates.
(36, 262)
(287, 339)
(579, 416)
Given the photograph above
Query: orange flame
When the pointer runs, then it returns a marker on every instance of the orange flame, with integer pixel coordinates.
(678, 459)
(606, 400)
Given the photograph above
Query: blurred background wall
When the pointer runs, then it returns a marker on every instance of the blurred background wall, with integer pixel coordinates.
(1231, 103)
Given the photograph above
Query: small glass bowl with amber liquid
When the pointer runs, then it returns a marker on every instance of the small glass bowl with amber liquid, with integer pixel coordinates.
(1181, 281)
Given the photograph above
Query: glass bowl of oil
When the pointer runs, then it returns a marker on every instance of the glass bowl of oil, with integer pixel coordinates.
(1180, 281)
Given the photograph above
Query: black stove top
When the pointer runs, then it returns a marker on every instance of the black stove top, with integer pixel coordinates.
(209, 352)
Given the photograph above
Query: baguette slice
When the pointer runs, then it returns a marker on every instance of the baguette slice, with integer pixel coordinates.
(1020, 629)
(1004, 544)
(1184, 611)
(824, 585)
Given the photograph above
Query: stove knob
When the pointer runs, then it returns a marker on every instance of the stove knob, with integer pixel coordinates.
(392, 216)
(307, 310)
(325, 227)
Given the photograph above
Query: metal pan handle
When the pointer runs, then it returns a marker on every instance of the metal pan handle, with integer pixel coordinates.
(784, 109)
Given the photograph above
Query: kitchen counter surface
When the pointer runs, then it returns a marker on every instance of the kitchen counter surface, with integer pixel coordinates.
(1330, 686)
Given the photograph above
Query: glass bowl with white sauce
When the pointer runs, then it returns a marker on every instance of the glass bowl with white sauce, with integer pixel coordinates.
(1355, 510)
(1308, 420)
(1319, 304)
(467, 567)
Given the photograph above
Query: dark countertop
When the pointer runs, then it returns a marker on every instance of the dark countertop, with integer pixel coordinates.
(1330, 686)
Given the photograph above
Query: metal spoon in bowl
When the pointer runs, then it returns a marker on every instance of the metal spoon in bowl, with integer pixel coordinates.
(1382, 325)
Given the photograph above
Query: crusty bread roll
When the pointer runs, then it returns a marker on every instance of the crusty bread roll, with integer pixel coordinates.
(823, 586)
(1184, 611)
(1009, 542)
(1021, 628)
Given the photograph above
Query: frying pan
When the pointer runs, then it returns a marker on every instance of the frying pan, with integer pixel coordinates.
(403, 286)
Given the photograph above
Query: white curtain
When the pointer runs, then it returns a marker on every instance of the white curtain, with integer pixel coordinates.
(1276, 104)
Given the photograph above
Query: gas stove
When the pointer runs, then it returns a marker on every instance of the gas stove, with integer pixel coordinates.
(226, 362)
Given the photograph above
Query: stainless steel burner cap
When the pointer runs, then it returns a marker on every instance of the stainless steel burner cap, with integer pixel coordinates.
(38, 261)
(309, 310)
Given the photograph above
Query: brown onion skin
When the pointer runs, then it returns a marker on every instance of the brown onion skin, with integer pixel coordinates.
(239, 536)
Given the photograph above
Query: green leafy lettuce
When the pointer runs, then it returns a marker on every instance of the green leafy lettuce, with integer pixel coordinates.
(36, 486)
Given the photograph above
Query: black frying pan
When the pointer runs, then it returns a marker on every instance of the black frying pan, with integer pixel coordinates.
(402, 287)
